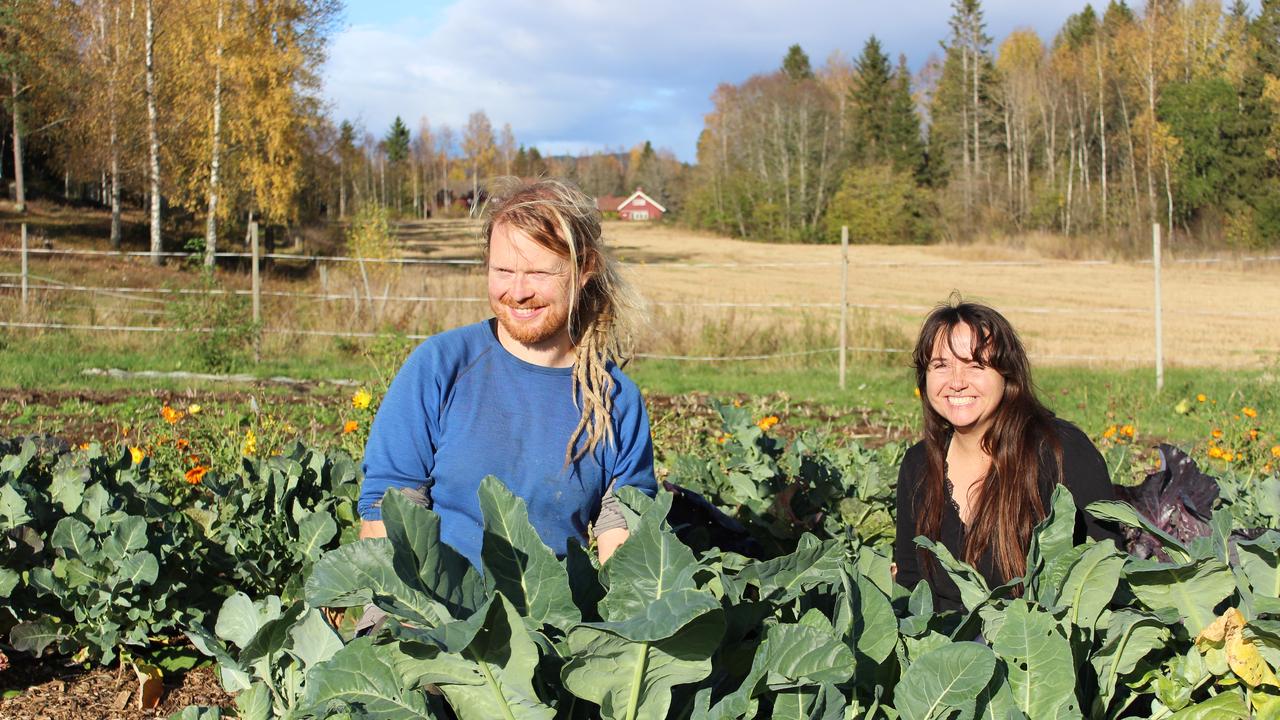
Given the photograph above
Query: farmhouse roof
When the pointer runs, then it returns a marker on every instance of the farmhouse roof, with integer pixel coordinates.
(640, 193)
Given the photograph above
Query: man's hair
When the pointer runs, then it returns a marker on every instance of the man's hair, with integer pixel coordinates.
(1009, 504)
(603, 315)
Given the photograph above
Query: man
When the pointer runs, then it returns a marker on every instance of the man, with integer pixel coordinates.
(533, 396)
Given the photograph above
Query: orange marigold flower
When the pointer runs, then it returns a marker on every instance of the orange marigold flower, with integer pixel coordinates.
(170, 415)
(84, 446)
(137, 454)
(193, 459)
(767, 422)
(181, 443)
(1215, 452)
(1249, 412)
(1200, 397)
(1217, 434)
(1228, 457)
(1127, 430)
(1275, 451)
(723, 438)
(1110, 432)
(196, 474)
(1253, 434)
(349, 427)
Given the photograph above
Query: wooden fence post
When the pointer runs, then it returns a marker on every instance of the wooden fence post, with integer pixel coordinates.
(1155, 261)
(844, 301)
(26, 272)
(257, 292)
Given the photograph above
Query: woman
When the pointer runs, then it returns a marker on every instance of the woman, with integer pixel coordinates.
(982, 477)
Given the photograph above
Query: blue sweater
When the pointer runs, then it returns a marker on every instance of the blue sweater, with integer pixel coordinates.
(462, 408)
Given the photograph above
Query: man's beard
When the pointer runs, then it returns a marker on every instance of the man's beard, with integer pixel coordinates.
(548, 323)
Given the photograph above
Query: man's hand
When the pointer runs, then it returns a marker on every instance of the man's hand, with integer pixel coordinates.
(607, 542)
(372, 529)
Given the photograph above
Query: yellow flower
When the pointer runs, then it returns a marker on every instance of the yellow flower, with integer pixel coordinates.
(1217, 434)
(84, 446)
(1249, 412)
(170, 415)
(1228, 457)
(1110, 432)
(1127, 430)
(916, 391)
(1201, 398)
(1253, 434)
(194, 409)
(250, 445)
(196, 474)
(767, 422)
(1215, 452)
(137, 454)
(1275, 451)
(361, 399)
(349, 427)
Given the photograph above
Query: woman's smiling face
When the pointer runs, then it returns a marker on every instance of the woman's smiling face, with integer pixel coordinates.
(961, 388)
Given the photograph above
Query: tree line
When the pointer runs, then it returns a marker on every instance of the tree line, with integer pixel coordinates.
(207, 113)
(1127, 117)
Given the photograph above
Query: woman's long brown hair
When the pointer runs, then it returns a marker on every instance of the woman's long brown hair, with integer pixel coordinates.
(1008, 501)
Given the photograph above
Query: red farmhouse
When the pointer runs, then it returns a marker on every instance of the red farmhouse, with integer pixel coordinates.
(636, 207)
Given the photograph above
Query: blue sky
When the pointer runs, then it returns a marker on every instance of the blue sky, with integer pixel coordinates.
(582, 75)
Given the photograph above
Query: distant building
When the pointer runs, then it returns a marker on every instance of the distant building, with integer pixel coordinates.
(636, 207)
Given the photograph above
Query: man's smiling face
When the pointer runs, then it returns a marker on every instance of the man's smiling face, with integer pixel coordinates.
(529, 289)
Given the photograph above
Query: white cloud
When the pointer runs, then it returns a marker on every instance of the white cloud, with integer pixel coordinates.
(578, 73)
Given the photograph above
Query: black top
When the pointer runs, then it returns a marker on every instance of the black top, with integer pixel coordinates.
(1084, 474)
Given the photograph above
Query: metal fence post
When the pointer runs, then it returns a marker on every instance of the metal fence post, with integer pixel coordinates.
(257, 292)
(26, 272)
(844, 301)
(1155, 261)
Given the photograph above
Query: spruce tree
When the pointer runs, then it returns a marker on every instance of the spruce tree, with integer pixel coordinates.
(905, 143)
(396, 144)
(796, 64)
(872, 96)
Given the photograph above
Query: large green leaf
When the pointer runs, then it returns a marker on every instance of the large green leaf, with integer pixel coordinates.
(803, 653)
(363, 677)
(72, 537)
(875, 626)
(13, 509)
(650, 564)
(240, 618)
(782, 579)
(1040, 665)
(1260, 561)
(633, 680)
(824, 702)
(1227, 705)
(362, 572)
(233, 675)
(418, 553)
(973, 588)
(140, 568)
(945, 680)
(1193, 589)
(1125, 514)
(128, 535)
(254, 703)
(34, 637)
(664, 616)
(1052, 537)
(315, 530)
(493, 676)
(1131, 636)
(521, 566)
(1091, 582)
(313, 640)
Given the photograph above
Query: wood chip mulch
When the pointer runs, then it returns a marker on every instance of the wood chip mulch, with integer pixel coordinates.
(51, 692)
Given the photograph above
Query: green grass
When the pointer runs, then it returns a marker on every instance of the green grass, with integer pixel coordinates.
(879, 394)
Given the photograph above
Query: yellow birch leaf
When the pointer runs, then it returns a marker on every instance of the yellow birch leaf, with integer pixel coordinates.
(150, 685)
